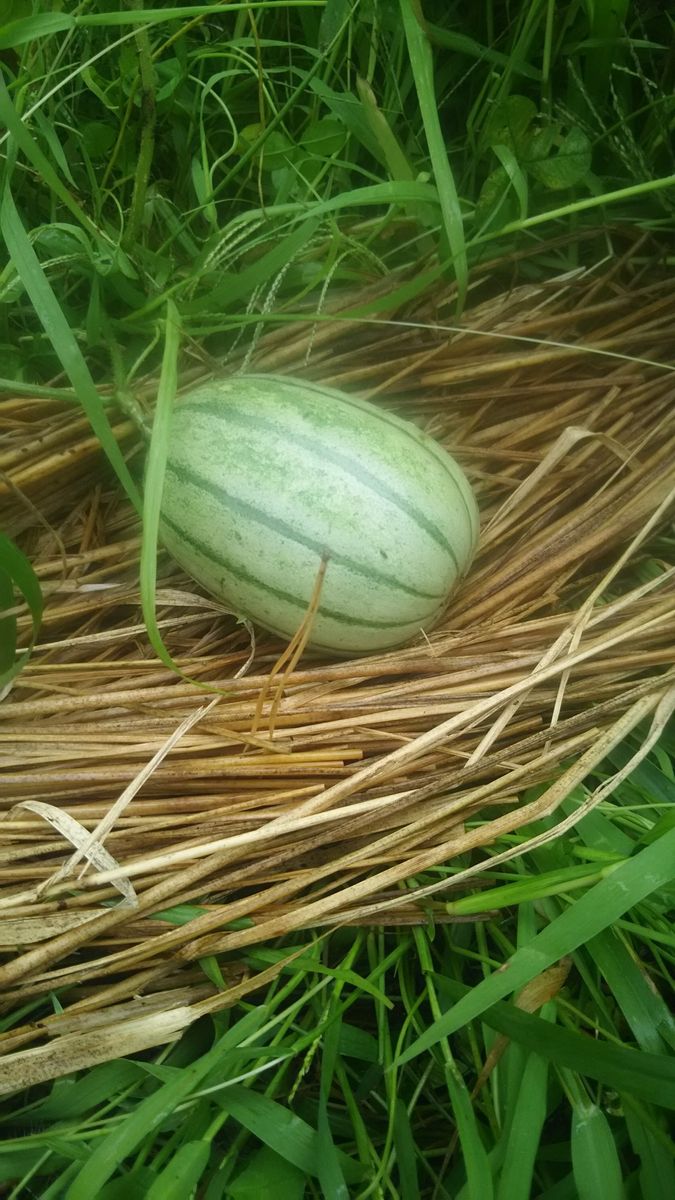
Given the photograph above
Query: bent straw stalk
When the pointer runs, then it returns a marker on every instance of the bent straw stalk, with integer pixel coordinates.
(306, 792)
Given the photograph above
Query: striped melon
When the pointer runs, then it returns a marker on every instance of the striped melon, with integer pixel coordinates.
(266, 475)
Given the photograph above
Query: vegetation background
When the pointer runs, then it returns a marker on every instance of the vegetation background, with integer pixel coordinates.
(243, 161)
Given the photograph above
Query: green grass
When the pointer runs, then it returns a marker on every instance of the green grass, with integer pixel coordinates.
(328, 144)
(316, 142)
(353, 1074)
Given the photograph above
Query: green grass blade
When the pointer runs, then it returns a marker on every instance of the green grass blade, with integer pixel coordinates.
(650, 1077)
(151, 1112)
(27, 29)
(629, 883)
(421, 62)
(16, 571)
(528, 1113)
(565, 211)
(595, 1161)
(331, 1178)
(67, 1100)
(266, 1176)
(476, 1162)
(280, 1129)
(657, 1164)
(390, 148)
(516, 176)
(154, 482)
(405, 1153)
(644, 1009)
(529, 888)
(61, 337)
(182, 1173)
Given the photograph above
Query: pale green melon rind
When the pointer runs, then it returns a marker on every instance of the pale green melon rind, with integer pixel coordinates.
(350, 491)
(236, 416)
(289, 385)
(344, 632)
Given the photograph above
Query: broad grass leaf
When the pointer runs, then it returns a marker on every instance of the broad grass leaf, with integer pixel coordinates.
(111, 1150)
(75, 1095)
(595, 1160)
(649, 1077)
(406, 1154)
(391, 149)
(657, 1166)
(631, 882)
(29, 29)
(182, 1173)
(15, 1164)
(133, 1185)
(268, 1176)
(331, 1177)
(460, 43)
(525, 1121)
(16, 574)
(357, 1043)
(567, 166)
(280, 1129)
(644, 1009)
(508, 124)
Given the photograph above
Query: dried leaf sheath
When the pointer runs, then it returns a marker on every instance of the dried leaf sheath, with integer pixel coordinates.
(376, 769)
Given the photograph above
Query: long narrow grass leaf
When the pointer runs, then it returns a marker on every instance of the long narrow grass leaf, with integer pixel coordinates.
(281, 1130)
(61, 337)
(16, 571)
(650, 1077)
(528, 1114)
(151, 1112)
(182, 1173)
(595, 1161)
(154, 481)
(630, 883)
(421, 62)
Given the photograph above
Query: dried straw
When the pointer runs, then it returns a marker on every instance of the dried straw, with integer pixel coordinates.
(309, 797)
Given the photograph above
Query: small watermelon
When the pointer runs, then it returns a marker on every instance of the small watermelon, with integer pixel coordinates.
(266, 476)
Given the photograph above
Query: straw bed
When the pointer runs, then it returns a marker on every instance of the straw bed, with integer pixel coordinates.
(309, 799)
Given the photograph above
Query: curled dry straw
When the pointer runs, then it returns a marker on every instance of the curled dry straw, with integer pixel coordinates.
(314, 807)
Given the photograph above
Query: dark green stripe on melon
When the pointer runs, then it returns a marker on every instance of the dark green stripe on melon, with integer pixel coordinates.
(253, 513)
(240, 573)
(230, 414)
(267, 476)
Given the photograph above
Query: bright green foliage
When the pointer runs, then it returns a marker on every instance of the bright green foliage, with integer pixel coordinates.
(17, 581)
(237, 158)
(237, 162)
(354, 1073)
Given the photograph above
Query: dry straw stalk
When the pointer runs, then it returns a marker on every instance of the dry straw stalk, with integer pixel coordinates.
(310, 798)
